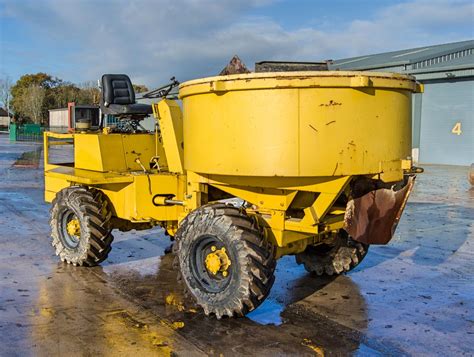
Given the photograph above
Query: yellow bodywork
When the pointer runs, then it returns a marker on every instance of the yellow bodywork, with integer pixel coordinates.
(168, 114)
(115, 152)
(129, 188)
(303, 124)
(286, 144)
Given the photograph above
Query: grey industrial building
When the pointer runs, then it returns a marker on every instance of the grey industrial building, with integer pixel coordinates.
(443, 122)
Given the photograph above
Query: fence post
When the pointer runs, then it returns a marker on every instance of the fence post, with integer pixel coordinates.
(13, 131)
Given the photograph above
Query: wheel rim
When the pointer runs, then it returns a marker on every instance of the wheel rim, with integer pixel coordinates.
(70, 230)
(211, 264)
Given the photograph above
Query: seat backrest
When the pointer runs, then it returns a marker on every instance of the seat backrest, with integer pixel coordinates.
(117, 89)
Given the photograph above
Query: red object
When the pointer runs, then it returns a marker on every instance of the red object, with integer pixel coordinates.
(70, 108)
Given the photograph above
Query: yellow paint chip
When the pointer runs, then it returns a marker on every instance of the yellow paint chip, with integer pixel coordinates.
(47, 312)
(177, 325)
(172, 300)
(317, 350)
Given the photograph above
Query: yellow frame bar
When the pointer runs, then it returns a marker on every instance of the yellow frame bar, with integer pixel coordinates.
(47, 143)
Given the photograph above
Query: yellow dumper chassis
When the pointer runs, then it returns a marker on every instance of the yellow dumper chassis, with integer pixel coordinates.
(291, 216)
(163, 198)
(235, 198)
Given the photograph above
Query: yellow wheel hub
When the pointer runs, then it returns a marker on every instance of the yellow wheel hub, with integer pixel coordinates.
(73, 227)
(218, 261)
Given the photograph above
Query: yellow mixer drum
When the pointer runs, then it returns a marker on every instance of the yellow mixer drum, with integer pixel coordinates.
(296, 124)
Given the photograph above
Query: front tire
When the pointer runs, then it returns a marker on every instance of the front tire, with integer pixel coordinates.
(225, 262)
(80, 226)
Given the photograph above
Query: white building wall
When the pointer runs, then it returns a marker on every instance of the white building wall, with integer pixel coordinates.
(58, 118)
(4, 121)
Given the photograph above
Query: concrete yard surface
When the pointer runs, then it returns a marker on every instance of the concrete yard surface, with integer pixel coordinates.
(414, 296)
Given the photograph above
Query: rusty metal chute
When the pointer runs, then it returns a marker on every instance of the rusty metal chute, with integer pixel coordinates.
(373, 218)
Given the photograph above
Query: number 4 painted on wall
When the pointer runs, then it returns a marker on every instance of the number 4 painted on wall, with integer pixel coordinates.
(457, 129)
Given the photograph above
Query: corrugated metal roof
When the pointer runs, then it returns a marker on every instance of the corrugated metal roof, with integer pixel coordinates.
(429, 57)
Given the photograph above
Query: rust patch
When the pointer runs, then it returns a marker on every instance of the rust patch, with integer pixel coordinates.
(373, 218)
(330, 104)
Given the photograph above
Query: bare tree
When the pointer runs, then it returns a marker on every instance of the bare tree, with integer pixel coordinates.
(33, 102)
(5, 92)
(90, 93)
(140, 88)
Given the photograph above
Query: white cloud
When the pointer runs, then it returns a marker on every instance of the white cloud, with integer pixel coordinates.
(152, 40)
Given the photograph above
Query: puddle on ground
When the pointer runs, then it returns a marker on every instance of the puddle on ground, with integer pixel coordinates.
(269, 313)
(8, 156)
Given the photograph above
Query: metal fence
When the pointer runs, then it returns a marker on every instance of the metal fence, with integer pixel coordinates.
(27, 132)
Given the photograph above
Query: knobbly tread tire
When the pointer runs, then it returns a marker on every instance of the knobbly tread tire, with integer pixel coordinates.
(344, 255)
(255, 267)
(92, 209)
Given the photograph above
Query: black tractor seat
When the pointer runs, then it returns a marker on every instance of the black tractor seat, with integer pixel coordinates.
(118, 98)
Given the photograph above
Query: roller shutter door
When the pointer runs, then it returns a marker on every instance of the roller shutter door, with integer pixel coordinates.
(447, 123)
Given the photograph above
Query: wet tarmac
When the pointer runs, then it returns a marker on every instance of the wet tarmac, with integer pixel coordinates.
(414, 296)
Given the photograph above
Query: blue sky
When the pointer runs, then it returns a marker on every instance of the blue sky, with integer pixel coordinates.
(78, 40)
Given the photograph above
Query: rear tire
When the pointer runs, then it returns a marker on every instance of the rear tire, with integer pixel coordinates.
(341, 256)
(249, 277)
(92, 244)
